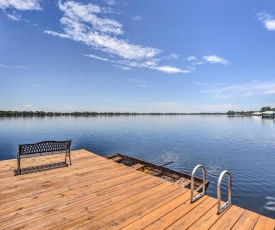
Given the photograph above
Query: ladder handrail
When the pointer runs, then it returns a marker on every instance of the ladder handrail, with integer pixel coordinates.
(198, 196)
(229, 187)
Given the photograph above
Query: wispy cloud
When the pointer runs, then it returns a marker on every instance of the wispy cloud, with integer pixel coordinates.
(92, 25)
(169, 69)
(14, 17)
(96, 57)
(245, 90)
(20, 4)
(29, 107)
(198, 63)
(81, 23)
(191, 58)
(122, 67)
(13, 67)
(137, 18)
(215, 60)
(268, 20)
(110, 2)
(140, 83)
(173, 56)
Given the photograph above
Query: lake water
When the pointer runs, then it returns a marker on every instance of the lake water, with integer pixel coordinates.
(242, 145)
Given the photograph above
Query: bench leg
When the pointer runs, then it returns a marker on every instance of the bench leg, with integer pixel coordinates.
(66, 157)
(69, 155)
(18, 165)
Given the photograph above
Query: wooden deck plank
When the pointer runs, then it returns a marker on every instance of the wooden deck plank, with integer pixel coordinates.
(138, 206)
(67, 176)
(80, 204)
(247, 221)
(31, 180)
(170, 217)
(265, 223)
(100, 188)
(188, 219)
(228, 220)
(112, 207)
(148, 219)
(44, 188)
(83, 181)
(100, 216)
(96, 193)
(129, 218)
(43, 214)
(207, 220)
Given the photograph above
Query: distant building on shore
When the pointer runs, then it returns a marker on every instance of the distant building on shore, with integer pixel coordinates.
(268, 114)
(257, 114)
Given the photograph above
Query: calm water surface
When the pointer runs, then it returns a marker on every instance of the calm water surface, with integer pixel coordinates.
(244, 146)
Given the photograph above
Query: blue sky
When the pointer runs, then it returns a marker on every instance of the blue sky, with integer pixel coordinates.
(137, 56)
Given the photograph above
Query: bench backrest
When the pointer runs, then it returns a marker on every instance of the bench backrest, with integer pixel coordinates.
(43, 147)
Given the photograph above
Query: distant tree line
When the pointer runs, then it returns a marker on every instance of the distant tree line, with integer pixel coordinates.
(83, 114)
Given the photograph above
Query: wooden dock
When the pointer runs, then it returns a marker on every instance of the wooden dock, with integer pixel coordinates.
(96, 193)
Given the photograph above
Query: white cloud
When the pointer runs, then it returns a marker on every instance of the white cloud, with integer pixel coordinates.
(20, 4)
(267, 20)
(110, 2)
(151, 64)
(198, 63)
(191, 58)
(80, 23)
(137, 18)
(247, 90)
(122, 67)
(215, 59)
(14, 17)
(270, 24)
(28, 107)
(13, 67)
(173, 56)
(90, 25)
(96, 57)
(56, 34)
(169, 69)
(139, 83)
(272, 91)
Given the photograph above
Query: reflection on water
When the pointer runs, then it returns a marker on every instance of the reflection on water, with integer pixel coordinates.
(270, 204)
(243, 146)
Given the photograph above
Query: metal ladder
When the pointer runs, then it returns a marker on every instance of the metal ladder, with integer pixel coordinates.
(198, 196)
(229, 187)
(193, 199)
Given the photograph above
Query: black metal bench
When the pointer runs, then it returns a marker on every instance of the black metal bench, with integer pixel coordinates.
(43, 148)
